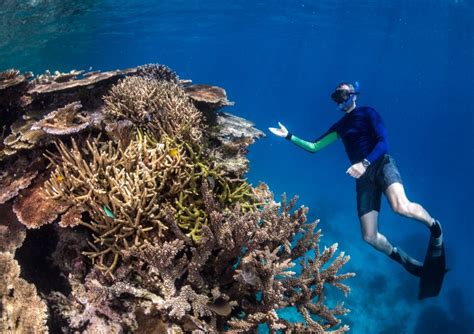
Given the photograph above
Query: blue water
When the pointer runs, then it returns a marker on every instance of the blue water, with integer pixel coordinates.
(279, 60)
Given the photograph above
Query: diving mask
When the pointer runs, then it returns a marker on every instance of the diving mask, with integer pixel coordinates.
(342, 95)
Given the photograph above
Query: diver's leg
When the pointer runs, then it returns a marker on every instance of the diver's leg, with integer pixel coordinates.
(371, 235)
(368, 223)
(400, 204)
(391, 182)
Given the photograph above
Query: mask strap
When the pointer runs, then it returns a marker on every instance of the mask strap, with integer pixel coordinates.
(356, 87)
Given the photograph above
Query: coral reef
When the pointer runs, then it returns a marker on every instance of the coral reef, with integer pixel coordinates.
(22, 310)
(158, 229)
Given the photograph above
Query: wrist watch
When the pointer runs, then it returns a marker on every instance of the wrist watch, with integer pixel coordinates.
(365, 163)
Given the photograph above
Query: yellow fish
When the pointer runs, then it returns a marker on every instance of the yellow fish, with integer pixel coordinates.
(173, 152)
(59, 178)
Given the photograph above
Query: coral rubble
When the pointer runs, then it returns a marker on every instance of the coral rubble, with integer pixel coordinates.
(158, 229)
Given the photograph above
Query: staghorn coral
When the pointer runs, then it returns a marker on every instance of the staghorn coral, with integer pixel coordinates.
(126, 191)
(160, 106)
(22, 310)
(121, 190)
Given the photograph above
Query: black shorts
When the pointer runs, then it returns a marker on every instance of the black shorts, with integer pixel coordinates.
(376, 179)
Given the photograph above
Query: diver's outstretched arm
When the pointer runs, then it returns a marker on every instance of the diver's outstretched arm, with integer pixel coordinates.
(320, 143)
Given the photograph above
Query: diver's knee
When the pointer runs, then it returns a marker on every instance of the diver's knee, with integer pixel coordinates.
(370, 238)
(401, 207)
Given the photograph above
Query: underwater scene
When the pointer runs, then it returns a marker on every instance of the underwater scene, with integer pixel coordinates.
(236, 166)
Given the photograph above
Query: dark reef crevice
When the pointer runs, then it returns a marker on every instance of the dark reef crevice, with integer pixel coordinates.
(37, 267)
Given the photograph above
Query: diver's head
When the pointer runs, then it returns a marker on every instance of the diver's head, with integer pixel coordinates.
(345, 95)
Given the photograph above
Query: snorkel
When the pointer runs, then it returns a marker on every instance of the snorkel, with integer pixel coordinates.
(346, 105)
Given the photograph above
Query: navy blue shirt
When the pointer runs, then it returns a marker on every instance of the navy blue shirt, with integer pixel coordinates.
(363, 133)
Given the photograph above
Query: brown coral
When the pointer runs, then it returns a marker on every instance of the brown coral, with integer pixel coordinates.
(17, 174)
(161, 106)
(12, 233)
(63, 121)
(11, 78)
(23, 137)
(120, 189)
(47, 77)
(208, 98)
(34, 208)
(23, 311)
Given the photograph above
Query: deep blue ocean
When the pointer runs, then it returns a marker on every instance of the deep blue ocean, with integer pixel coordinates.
(280, 61)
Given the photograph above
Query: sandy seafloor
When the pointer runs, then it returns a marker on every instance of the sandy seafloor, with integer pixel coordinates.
(279, 61)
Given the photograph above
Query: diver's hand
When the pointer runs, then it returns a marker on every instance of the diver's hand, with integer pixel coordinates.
(281, 132)
(356, 170)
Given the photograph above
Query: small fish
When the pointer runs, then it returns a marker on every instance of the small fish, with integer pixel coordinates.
(212, 182)
(108, 212)
(173, 152)
(59, 178)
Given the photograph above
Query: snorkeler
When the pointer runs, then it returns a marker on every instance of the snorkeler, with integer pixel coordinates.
(364, 136)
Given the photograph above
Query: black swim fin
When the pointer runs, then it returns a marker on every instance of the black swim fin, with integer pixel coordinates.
(411, 265)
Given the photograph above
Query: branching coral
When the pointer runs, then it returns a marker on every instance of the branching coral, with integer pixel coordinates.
(208, 285)
(121, 190)
(161, 106)
(125, 191)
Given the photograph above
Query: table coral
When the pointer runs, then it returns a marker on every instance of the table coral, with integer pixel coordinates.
(63, 121)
